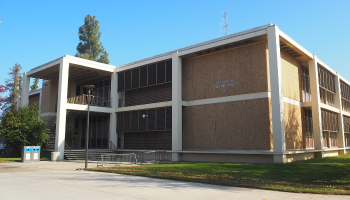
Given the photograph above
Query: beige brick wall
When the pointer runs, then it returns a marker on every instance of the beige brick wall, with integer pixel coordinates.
(239, 125)
(294, 126)
(291, 77)
(247, 65)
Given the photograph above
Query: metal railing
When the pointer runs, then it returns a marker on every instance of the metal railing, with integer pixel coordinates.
(153, 156)
(116, 159)
(51, 143)
(69, 150)
(95, 101)
(113, 147)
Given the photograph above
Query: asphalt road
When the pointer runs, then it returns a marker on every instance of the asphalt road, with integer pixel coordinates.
(60, 180)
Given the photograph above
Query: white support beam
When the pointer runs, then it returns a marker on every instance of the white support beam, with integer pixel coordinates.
(279, 144)
(113, 137)
(176, 105)
(25, 89)
(338, 104)
(61, 110)
(315, 107)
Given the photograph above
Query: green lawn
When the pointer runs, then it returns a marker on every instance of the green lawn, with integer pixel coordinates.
(9, 159)
(329, 175)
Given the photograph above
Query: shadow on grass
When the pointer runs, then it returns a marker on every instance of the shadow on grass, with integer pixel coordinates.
(329, 175)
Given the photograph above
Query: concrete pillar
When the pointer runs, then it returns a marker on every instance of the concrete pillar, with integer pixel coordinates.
(25, 90)
(113, 137)
(40, 98)
(315, 106)
(176, 105)
(18, 102)
(338, 104)
(61, 110)
(279, 144)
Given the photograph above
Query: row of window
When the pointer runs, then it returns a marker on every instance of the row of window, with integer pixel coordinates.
(145, 120)
(153, 74)
(330, 129)
(326, 79)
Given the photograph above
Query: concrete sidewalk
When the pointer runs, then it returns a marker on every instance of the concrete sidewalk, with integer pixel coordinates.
(61, 180)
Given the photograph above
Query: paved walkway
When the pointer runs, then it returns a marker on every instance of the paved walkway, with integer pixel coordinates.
(60, 180)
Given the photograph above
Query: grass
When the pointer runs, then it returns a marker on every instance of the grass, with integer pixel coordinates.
(329, 175)
(9, 159)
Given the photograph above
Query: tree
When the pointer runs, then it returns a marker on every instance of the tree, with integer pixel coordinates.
(2, 90)
(22, 127)
(35, 84)
(90, 46)
(14, 86)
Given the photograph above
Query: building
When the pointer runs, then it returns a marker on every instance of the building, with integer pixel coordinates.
(252, 96)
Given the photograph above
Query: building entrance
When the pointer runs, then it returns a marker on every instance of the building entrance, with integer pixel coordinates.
(98, 133)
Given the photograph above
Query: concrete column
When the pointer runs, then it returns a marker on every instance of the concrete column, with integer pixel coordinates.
(40, 98)
(25, 90)
(315, 106)
(176, 105)
(113, 137)
(279, 144)
(337, 99)
(61, 110)
(18, 102)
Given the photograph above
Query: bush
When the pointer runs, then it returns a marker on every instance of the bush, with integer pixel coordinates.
(22, 127)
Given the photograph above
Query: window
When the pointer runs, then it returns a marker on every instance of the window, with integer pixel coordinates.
(330, 128)
(145, 120)
(309, 130)
(327, 86)
(327, 97)
(153, 74)
(333, 140)
(306, 85)
(345, 95)
(346, 121)
(325, 139)
(330, 139)
(345, 105)
(347, 139)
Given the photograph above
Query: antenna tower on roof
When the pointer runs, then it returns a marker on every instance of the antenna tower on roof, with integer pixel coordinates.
(224, 28)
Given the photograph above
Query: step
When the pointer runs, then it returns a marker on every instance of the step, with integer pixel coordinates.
(79, 154)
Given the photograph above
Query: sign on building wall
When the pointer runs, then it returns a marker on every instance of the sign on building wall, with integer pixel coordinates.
(223, 84)
(46, 85)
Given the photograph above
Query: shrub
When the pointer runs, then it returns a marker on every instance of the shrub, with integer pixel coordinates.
(22, 127)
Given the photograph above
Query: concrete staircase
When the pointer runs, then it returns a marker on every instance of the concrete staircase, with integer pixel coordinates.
(79, 154)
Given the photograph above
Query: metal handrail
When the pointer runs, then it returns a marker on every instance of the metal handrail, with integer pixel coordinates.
(153, 156)
(113, 147)
(70, 150)
(114, 159)
(95, 100)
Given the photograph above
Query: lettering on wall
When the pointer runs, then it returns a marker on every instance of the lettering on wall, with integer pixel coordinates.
(46, 85)
(223, 84)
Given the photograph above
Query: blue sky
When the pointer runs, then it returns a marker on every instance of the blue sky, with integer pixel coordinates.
(37, 32)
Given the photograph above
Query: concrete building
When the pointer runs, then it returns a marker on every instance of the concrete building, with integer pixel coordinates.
(252, 96)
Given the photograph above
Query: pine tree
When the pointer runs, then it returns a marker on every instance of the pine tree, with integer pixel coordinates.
(35, 84)
(14, 87)
(90, 46)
